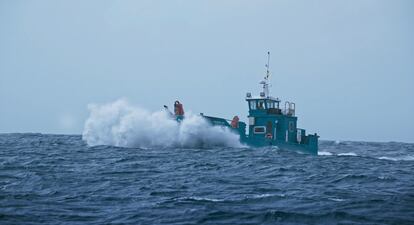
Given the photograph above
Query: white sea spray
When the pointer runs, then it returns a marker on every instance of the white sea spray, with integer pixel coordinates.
(121, 124)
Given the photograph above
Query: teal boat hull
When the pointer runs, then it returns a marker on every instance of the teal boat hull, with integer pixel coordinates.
(308, 143)
(297, 147)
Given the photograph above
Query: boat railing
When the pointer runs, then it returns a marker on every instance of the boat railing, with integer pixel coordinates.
(289, 109)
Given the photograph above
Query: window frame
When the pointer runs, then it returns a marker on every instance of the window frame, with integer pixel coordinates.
(252, 105)
(255, 132)
(268, 104)
(263, 105)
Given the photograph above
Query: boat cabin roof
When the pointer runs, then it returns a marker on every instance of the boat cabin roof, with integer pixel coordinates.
(268, 98)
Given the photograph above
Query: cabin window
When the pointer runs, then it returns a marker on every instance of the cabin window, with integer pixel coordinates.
(252, 105)
(269, 105)
(260, 104)
(259, 130)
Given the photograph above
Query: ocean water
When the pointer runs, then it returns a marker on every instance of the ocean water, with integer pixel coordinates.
(59, 179)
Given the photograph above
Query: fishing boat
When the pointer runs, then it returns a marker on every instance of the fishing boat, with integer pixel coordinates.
(268, 123)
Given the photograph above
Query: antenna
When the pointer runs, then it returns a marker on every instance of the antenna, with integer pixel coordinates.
(265, 81)
(268, 66)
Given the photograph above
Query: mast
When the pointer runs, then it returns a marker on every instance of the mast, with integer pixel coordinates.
(268, 66)
(265, 82)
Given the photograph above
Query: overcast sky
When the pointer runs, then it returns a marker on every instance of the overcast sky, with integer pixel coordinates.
(348, 65)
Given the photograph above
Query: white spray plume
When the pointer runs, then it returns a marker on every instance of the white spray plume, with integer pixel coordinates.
(120, 124)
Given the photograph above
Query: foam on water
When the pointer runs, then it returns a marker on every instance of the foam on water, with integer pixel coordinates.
(398, 158)
(347, 154)
(390, 158)
(121, 124)
(324, 153)
(204, 199)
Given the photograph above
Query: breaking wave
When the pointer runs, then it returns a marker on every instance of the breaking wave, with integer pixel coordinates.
(120, 124)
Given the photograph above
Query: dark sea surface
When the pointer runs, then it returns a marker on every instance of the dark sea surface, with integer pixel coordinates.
(58, 179)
